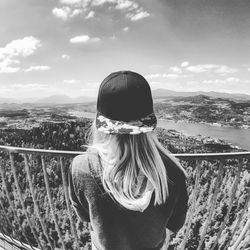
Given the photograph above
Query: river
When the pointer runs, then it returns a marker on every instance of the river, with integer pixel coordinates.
(237, 136)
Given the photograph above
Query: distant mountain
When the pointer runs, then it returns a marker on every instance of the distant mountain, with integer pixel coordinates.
(161, 93)
(64, 99)
(157, 93)
(7, 100)
(193, 99)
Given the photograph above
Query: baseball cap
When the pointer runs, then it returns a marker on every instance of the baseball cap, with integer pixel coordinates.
(125, 104)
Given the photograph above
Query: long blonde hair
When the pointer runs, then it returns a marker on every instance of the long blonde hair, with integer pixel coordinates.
(132, 168)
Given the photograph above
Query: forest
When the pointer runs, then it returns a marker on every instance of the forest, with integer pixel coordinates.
(222, 186)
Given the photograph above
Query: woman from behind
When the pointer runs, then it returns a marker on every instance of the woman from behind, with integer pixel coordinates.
(126, 185)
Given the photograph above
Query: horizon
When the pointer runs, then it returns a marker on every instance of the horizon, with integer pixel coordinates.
(93, 98)
(70, 46)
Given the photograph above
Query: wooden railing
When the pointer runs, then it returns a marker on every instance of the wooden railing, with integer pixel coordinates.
(35, 210)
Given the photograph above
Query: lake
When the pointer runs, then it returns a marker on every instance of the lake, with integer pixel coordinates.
(237, 136)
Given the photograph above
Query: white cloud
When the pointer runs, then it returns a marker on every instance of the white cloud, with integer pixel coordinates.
(84, 39)
(71, 8)
(175, 69)
(91, 14)
(229, 80)
(184, 64)
(76, 12)
(11, 53)
(200, 68)
(20, 47)
(157, 75)
(126, 29)
(80, 39)
(137, 16)
(232, 79)
(101, 2)
(71, 2)
(6, 66)
(168, 76)
(30, 86)
(126, 4)
(62, 13)
(215, 81)
(223, 69)
(37, 68)
(65, 56)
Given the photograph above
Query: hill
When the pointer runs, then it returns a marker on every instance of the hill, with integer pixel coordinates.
(157, 93)
(161, 93)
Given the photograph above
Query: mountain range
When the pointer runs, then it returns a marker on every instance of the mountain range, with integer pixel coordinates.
(157, 93)
(161, 93)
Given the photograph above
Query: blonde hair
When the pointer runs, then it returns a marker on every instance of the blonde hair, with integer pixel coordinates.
(132, 168)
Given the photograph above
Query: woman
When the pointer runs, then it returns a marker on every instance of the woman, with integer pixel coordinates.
(127, 186)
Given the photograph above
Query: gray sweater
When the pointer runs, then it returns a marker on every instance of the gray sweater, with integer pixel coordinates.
(113, 226)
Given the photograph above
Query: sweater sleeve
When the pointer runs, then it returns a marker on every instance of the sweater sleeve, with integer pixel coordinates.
(178, 216)
(76, 192)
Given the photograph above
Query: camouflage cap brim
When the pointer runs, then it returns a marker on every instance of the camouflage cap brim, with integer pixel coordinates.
(109, 126)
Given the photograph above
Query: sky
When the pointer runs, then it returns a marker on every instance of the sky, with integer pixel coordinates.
(69, 46)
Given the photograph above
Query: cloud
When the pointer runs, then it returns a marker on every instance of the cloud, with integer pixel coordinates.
(229, 80)
(201, 68)
(126, 4)
(168, 76)
(30, 86)
(125, 29)
(71, 8)
(137, 16)
(20, 47)
(6, 66)
(13, 51)
(232, 79)
(84, 39)
(222, 69)
(71, 2)
(184, 64)
(62, 13)
(65, 56)
(76, 12)
(175, 69)
(91, 14)
(38, 68)
(101, 2)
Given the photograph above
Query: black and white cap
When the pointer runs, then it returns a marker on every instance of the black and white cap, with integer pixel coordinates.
(125, 105)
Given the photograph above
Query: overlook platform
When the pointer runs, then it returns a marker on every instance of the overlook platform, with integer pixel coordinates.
(35, 210)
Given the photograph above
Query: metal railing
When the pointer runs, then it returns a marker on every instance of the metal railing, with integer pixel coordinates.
(35, 209)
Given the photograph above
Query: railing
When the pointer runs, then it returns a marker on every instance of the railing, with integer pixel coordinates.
(35, 206)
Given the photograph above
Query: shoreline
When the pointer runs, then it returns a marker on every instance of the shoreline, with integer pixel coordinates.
(215, 124)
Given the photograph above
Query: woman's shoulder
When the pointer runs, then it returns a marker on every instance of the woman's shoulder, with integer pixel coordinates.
(82, 164)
